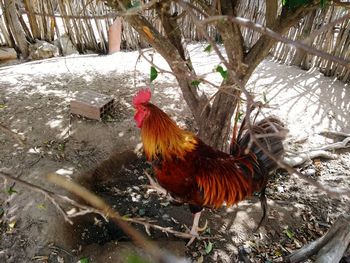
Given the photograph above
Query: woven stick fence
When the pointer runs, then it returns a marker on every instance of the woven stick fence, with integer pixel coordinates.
(87, 21)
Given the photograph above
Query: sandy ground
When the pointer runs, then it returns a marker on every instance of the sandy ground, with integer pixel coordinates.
(34, 102)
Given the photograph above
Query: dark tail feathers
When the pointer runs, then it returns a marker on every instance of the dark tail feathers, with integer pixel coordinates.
(270, 132)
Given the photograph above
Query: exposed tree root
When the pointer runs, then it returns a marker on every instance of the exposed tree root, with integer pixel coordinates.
(297, 159)
(330, 247)
(300, 158)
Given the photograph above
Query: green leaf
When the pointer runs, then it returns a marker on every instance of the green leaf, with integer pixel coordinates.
(222, 72)
(125, 217)
(289, 233)
(2, 211)
(142, 212)
(2, 106)
(239, 116)
(265, 98)
(133, 4)
(136, 3)
(153, 74)
(278, 253)
(207, 230)
(208, 48)
(84, 260)
(61, 147)
(208, 247)
(195, 83)
(11, 190)
(41, 206)
(165, 204)
(293, 4)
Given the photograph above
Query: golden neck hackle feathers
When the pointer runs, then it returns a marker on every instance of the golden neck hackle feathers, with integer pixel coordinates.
(162, 137)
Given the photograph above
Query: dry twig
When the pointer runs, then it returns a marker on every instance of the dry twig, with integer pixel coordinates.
(53, 197)
(12, 134)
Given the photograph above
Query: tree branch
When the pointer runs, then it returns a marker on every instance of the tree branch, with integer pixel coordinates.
(206, 9)
(53, 197)
(326, 27)
(262, 47)
(171, 27)
(271, 8)
(298, 159)
(345, 4)
(276, 36)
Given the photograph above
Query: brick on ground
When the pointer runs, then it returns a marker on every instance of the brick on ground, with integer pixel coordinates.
(91, 104)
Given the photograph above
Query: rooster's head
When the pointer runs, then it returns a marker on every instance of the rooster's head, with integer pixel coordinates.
(140, 101)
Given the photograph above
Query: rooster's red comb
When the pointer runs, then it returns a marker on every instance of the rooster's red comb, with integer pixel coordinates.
(142, 96)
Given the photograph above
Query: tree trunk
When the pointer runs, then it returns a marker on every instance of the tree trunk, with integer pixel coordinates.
(301, 57)
(16, 28)
(219, 120)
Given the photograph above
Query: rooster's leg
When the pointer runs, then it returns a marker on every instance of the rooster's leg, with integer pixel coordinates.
(194, 229)
(263, 202)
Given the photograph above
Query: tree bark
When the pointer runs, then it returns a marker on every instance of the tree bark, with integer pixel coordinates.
(16, 28)
(219, 119)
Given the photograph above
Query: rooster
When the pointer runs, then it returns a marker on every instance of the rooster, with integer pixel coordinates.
(192, 172)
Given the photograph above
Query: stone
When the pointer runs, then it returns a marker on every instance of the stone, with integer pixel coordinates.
(67, 45)
(42, 50)
(7, 53)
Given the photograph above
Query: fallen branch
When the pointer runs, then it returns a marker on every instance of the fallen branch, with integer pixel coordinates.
(335, 146)
(298, 159)
(53, 197)
(330, 247)
(334, 134)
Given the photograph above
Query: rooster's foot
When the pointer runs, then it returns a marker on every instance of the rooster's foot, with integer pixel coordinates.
(195, 235)
(155, 186)
(195, 228)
